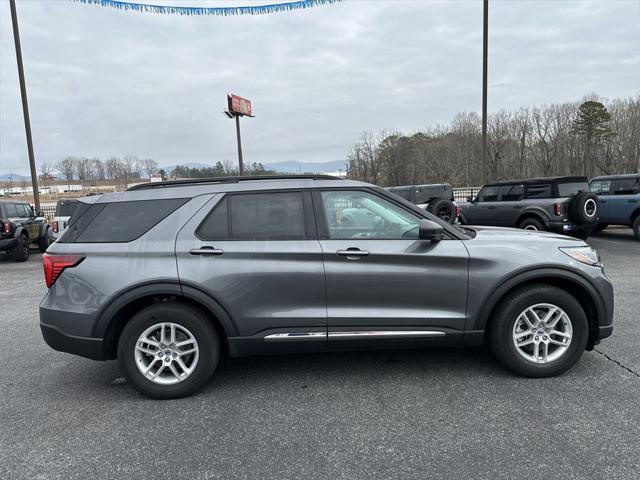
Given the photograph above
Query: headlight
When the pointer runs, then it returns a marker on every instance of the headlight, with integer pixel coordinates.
(583, 255)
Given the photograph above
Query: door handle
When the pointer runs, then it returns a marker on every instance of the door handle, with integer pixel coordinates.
(632, 201)
(206, 251)
(352, 253)
(518, 207)
(491, 208)
(602, 201)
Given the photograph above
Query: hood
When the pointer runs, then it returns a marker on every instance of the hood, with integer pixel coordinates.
(501, 235)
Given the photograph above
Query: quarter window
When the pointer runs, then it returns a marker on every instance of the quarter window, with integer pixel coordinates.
(118, 222)
(538, 190)
(357, 214)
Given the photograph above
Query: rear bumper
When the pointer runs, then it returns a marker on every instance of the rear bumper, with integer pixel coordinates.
(563, 227)
(63, 342)
(8, 243)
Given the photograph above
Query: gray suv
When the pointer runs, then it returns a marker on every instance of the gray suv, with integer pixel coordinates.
(171, 276)
(558, 204)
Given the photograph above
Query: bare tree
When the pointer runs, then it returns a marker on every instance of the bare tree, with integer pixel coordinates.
(150, 166)
(67, 167)
(46, 169)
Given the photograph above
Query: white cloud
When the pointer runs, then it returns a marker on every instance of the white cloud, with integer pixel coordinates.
(103, 82)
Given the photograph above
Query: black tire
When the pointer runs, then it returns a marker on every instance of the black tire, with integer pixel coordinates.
(584, 208)
(21, 250)
(500, 330)
(196, 322)
(581, 233)
(636, 227)
(45, 241)
(600, 227)
(532, 223)
(443, 208)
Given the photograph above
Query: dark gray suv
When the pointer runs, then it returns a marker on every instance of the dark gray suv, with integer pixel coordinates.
(169, 277)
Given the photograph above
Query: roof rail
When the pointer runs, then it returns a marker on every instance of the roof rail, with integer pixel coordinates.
(203, 181)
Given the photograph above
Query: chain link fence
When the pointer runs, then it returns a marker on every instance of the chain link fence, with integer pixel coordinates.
(461, 194)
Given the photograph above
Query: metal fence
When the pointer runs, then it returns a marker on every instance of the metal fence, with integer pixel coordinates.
(461, 194)
(48, 210)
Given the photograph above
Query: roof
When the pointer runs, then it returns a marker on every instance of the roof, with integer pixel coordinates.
(230, 179)
(190, 189)
(574, 178)
(615, 177)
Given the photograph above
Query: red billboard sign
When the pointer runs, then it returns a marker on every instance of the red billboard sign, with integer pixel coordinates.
(239, 105)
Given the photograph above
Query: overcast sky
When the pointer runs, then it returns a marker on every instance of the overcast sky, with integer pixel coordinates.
(103, 82)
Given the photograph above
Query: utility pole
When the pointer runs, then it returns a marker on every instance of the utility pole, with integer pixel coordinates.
(485, 44)
(25, 106)
(240, 164)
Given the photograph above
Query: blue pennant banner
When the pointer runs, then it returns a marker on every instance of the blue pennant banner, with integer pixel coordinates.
(244, 10)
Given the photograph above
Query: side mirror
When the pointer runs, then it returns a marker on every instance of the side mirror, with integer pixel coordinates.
(430, 230)
(39, 213)
(470, 199)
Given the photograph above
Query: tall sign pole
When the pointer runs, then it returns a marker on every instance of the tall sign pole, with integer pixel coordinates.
(25, 105)
(485, 44)
(240, 164)
(238, 107)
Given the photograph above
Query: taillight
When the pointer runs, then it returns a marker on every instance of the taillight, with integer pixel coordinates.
(55, 227)
(54, 265)
(557, 209)
(7, 227)
(457, 211)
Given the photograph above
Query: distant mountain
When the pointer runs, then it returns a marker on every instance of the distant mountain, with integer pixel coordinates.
(280, 167)
(14, 177)
(307, 167)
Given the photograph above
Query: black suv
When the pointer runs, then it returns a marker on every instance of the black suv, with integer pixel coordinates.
(20, 226)
(435, 198)
(559, 204)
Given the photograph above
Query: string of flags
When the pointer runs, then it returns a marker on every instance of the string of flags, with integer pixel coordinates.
(224, 11)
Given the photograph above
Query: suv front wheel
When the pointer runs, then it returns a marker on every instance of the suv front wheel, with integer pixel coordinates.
(168, 350)
(538, 331)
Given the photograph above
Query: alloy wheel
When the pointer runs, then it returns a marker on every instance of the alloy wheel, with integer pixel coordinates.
(542, 333)
(166, 353)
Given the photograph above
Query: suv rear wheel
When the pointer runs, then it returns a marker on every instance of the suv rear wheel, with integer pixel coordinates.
(540, 331)
(21, 250)
(168, 350)
(532, 224)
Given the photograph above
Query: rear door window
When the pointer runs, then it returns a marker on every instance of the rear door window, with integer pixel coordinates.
(119, 222)
(488, 194)
(538, 190)
(600, 187)
(267, 216)
(511, 193)
(626, 186)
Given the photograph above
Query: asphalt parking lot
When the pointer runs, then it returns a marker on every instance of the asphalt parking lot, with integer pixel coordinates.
(441, 413)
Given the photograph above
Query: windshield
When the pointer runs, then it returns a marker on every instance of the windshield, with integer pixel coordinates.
(572, 188)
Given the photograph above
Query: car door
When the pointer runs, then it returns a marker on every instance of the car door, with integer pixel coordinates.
(624, 199)
(381, 280)
(257, 255)
(511, 197)
(602, 189)
(28, 220)
(483, 210)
